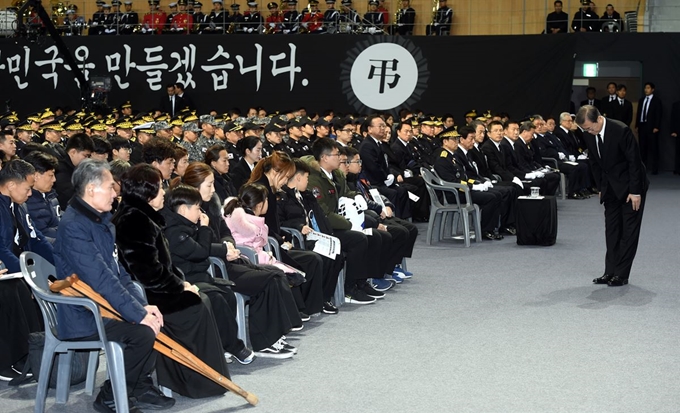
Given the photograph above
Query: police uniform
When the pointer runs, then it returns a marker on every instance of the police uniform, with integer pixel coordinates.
(374, 19)
(349, 18)
(331, 17)
(128, 20)
(442, 22)
(291, 19)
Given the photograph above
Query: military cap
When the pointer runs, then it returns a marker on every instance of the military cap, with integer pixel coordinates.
(145, 126)
(346, 2)
(173, 4)
(429, 120)
(373, 2)
(73, 125)
(127, 3)
(217, 1)
(251, 126)
(274, 127)
(125, 125)
(98, 126)
(293, 2)
(272, 5)
(54, 125)
(232, 127)
(177, 122)
(330, 1)
(115, 2)
(471, 114)
(322, 122)
(25, 126)
(191, 118)
(449, 133)
(162, 125)
(154, 2)
(314, 2)
(252, 4)
(106, 6)
(99, 2)
(358, 121)
(198, 4)
(210, 120)
(190, 127)
(182, 2)
(236, 6)
(46, 114)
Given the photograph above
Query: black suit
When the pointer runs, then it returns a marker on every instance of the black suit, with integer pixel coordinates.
(400, 159)
(240, 174)
(166, 105)
(649, 140)
(596, 102)
(497, 161)
(605, 104)
(619, 171)
(621, 110)
(577, 175)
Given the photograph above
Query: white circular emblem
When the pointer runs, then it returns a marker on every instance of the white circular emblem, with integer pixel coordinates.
(384, 76)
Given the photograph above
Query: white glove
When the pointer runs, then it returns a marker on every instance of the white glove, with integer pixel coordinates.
(582, 157)
(372, 30)
(272, 25)
(286, 31)
(539, 174)
(572, 158)
(390, 180)
(517, 181)
(479, 187)
(530, 175)
(95, 24)
(561, 155)
(488, 184)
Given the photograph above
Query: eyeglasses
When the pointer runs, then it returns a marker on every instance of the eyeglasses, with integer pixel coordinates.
(356, 162)
(347, 130)
(333, 154)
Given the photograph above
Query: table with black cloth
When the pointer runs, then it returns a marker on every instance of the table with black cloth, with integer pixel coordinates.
(536, 220)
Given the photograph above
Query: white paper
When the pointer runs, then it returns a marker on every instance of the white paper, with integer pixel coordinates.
(377, 198)
(326, 245)
(571, 163)
(11, 276)
(413, 197)
(530, 197)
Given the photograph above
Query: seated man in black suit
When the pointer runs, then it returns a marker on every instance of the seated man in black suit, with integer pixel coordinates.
(508, 192)
(376, 167)
(577, 173)
(529, 159)
(495, 157)
(450, 170)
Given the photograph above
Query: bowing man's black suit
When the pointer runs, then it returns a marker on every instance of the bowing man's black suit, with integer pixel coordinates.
(618, 173)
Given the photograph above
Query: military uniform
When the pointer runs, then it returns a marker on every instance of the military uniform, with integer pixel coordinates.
(154, 21)
(273, 22)
(312, 21)
(405, 23)
(291, 19)
(331, 18)
(252, 19)
(442, 22)
(217, 20)
(98, 19)
(128, 20)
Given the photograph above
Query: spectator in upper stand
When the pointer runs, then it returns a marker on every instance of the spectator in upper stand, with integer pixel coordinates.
(557, 21)
(42, 205)
(585, 20)
(78, 148)
(611, 15)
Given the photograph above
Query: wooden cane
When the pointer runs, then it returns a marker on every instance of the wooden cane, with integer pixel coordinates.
(74, 287)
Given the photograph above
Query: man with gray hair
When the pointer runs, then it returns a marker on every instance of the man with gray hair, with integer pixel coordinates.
(621, 178)
(86, 246)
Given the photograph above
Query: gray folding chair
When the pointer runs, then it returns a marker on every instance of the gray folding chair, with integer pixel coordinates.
(563, 179)
(298, 238)
(241, 299)
(440, 211)
(36, 271)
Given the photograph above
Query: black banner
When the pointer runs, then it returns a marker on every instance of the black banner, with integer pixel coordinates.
(343, 72)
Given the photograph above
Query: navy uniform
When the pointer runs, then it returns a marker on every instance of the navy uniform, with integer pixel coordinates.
(268, 147)
(252, 19)
(128, 20)
(349, 20)
(235, 22)
(441, 25)
(406, 19)
(450, 170)
(98, 19)
(217, 20)
(199, 18)
(373, 19)
(331, 17)
(171, 15)
(291, 19)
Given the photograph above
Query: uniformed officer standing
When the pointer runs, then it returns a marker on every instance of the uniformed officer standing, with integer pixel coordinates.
(154, 20)
(312, 19)
(441, 24)
(217, 20)
(236, 20)
(349, 18)
(274, 22)
(98, 19)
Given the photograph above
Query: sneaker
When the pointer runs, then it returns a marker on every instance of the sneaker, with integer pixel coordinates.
(245, 356)
(284, 344)
(274, 353)
(381, 284)
(104, 404)
(372, 292)
(403, 273)
(329, 308)
(9, 374)
(227, 357)
(153, 399)
(297, 328)
(305, 317)
(394, 277)
(358, 296)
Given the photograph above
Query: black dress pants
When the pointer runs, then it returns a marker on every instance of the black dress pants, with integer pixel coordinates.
(354, 245)
(622, 233)
(312, 289)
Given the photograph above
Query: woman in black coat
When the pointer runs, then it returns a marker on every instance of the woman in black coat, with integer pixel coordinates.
(272, 310)
(250, 148)
(145, 255)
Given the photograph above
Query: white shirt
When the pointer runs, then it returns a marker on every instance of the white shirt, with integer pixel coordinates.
(328, 174)
(512, 143)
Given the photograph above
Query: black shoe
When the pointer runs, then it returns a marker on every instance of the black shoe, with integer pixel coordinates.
(585, 194)
(245, 356)
(509, 231)
(602, 280)
(329, 308)
(575, 196)
(305, 317)
(617, 281)
(498, 236)
(153, 399)
(9, 374)
(358, 296)
(488, 236)
(104, 403)
(370, 291)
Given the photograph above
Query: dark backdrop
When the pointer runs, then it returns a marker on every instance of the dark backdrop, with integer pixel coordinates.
(521, 75)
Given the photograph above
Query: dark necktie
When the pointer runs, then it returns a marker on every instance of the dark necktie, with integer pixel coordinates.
(600, 146)
(645, 107)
